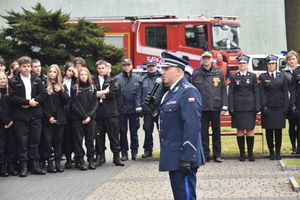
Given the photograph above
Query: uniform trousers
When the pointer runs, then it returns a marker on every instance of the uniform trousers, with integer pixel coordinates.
(28, 134)
(148, 128)
(88, 132)
(183, 186)
(134, 125)
(212, 117)
(53, 137)
(109, 125)
(2, 143)
(293, 133)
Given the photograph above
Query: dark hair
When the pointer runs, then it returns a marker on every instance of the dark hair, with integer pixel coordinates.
(35, 61)
(67, 66)
(101, 62)
(79, 60)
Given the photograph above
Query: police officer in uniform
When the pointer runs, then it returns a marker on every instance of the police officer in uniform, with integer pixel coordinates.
(244, 103)
(148, 81)
(180, 140)
(274, 104)
(210, 82)
(130, 108)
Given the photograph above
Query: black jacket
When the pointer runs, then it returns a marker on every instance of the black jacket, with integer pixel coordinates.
(4, 107)
(295, 92)
(244, 93)
(84, 102)
(109, 105)
(129, 86)
(273, 91)
(18, 98)
(212, 87)
(53, 106)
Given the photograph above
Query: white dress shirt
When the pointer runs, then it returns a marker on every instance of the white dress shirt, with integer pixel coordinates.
(27, 84)
(68, 83)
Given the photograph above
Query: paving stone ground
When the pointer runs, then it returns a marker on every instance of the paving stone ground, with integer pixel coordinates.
(140, 180)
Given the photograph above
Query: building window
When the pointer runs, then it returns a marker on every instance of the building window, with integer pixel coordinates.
(156, 36)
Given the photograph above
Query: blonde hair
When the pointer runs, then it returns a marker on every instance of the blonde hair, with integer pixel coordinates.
(58, 79)
(292, 53)
(6, 85)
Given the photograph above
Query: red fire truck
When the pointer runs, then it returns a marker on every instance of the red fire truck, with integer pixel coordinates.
(144, 38)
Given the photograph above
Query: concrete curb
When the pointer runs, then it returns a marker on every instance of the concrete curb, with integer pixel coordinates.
(285, 167)
(294, 184)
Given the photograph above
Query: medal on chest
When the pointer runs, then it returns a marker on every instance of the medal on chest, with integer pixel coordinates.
(216, 80)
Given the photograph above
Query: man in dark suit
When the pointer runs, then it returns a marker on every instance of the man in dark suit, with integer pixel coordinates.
(180, 129)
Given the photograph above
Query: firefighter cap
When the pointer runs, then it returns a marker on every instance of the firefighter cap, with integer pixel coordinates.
(151, 63)
(243, 58)
(171, 60)
(271, 59)
(126, 61)
(206, 54)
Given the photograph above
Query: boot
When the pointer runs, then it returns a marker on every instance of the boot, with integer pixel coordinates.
(11, 169)
(269, 137)
(100, 159)
(51, 168)
(91, 163)
(68, 164)
(116, 160)
(250, 144)
(36, 168)
(124, 156)
(23, 170)
(58, 166)
(147, 154)
(241, 144)
(3, 169)
(81, 164)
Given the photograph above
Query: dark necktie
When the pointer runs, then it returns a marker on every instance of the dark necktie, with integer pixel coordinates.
(272, 75)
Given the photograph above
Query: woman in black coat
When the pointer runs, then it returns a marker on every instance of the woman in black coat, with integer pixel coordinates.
(84, 106)
(243, 105)
(54, 119)
(274, 103)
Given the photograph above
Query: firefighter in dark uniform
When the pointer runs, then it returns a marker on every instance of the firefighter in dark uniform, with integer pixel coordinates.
(180, 140)
(210, 82)
(27, 92)
(148, 81)
(107, 115)
(274, 104)
(295, 96)
(292, 63)
(244, 103)
(130, 108)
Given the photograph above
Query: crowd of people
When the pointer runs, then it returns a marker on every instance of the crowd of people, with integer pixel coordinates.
(46, 116)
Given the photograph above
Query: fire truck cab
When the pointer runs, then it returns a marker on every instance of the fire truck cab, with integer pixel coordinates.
(144, 38)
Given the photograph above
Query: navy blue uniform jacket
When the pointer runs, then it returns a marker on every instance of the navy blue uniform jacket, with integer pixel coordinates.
(180, 128)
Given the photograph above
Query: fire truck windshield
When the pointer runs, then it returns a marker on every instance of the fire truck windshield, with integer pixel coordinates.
(225, 37)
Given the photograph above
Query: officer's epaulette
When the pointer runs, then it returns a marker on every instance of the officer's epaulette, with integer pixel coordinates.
(184, 85)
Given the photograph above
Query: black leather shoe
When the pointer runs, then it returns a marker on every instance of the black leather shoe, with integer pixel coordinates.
(218, 160)
(124, 157)
(272, 156)
(147, 154)
(68, 164)
(36, 168)
(133, 156)
(82, 165)
(58, 166)
(23, 171)
(116, 160)
(91, 163)
(11, 169)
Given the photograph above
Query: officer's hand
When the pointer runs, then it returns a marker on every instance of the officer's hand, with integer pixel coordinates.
(140, 114)
(231, 112)
(266, 110)
(185, 168)
(148, 98)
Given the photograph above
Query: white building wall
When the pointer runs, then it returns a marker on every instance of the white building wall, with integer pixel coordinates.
(262, 22)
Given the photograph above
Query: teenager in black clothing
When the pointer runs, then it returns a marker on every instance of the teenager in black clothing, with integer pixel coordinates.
(68, 144)
(27, 92)
(5, 124)
(84, 104)
(54, 119)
